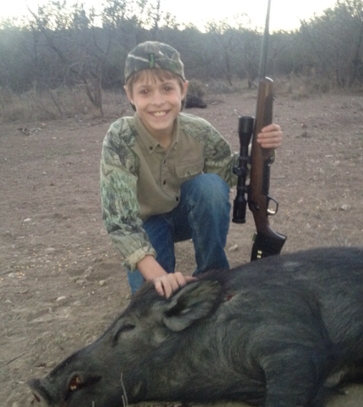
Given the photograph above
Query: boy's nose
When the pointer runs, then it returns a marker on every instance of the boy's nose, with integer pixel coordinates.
(158, 98)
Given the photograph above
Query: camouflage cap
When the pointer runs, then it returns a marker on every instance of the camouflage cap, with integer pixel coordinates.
(152, 55)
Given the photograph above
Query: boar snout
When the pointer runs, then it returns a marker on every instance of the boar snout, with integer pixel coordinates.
(40, 395)
(42, 391)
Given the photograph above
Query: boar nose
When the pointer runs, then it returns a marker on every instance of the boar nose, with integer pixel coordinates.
(39, 400)
(40, 396)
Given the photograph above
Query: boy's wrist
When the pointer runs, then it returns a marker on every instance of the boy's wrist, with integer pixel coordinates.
(150, 268)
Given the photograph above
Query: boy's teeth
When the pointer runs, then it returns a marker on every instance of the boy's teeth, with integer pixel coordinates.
(159, 113)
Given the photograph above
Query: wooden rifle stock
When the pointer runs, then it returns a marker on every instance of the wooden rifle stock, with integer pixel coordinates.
(266, 241)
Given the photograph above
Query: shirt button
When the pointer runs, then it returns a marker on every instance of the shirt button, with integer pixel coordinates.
(164, 182)
(177, 199)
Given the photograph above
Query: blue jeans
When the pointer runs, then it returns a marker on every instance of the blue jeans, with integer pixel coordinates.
(201, 215)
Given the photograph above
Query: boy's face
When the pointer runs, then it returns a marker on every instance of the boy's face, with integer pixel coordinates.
(157, 101)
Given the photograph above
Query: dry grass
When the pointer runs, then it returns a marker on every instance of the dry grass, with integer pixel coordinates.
(67, 103)
(299, 87)
(56, 104)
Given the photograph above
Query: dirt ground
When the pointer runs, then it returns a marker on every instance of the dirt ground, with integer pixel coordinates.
(61, 282)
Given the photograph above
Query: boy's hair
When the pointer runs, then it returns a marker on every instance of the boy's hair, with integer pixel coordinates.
(151, 75)
(153, 55)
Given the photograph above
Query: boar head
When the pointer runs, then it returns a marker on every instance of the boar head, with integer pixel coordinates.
(117, 367)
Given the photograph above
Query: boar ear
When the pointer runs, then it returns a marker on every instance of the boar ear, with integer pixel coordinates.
(192, 303)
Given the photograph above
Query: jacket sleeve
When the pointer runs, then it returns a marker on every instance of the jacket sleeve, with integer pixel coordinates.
(120, 209)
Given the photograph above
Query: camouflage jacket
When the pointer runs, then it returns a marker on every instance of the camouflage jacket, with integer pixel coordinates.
(140, 179)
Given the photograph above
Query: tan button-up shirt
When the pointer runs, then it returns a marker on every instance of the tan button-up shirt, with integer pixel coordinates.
(139, 178)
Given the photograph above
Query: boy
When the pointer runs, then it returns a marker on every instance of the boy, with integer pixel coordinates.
(165, 175)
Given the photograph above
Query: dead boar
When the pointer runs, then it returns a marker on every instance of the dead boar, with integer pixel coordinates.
(276, 332)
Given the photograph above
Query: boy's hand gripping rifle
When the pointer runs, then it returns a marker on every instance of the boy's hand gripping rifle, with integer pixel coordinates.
(266, 241)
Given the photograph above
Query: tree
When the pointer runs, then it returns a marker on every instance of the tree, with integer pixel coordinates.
(336, 40)
(78, 46)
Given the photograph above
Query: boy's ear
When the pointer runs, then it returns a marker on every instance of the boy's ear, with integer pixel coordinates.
(184, 94)
(130, 98)
(185, 89)
(129, 95)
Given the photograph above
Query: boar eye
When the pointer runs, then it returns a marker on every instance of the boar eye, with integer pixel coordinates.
(122, 329)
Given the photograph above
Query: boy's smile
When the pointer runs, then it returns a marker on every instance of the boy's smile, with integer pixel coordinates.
(158, 103)
(159, 113)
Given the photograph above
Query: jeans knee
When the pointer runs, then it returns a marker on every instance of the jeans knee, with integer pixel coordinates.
(215, 191)
(208, 194)
(208, 186)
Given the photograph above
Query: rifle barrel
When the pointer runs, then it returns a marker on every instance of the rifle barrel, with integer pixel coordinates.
(264, 48)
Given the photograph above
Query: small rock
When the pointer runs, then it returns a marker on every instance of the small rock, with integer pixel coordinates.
(345, 207)
(80, 281)
(233, 248)
(88, 272)
(102, 283)
(59, 299)
(103, 232)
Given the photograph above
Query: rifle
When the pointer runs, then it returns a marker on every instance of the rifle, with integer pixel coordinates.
(266, 241)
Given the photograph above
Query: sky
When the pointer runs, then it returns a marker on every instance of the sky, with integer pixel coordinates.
(285, 14)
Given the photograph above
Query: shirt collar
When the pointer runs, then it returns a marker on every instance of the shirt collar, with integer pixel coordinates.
(148, 140)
